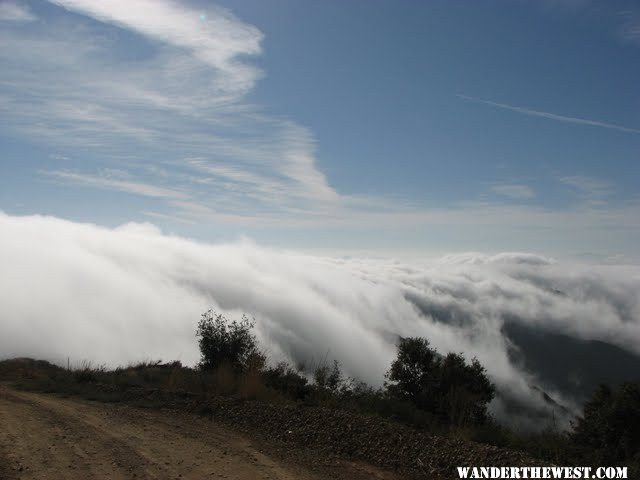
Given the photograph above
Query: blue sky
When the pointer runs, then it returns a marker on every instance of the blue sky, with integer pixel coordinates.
(380, 126)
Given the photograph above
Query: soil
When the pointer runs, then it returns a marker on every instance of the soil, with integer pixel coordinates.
(43, 436)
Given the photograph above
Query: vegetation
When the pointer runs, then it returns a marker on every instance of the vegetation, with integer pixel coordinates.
(329, 379)
(444, 394)
(291, 383)
(455, 392)
(228, 343)
(610, 425)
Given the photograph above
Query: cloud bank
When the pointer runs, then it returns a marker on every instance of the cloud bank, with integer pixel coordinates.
(130, 293)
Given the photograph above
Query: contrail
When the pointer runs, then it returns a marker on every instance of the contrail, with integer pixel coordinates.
(552, 116)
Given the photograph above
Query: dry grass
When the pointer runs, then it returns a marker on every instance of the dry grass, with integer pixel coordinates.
(155, 384)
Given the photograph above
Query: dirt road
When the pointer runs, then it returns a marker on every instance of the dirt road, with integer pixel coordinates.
(48, 437)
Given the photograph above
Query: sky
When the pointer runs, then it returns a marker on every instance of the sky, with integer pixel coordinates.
(424, 127)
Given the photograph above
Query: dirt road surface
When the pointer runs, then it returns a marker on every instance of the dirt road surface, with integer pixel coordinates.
(47, 437)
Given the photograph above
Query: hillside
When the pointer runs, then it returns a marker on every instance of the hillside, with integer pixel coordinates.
(155, 432)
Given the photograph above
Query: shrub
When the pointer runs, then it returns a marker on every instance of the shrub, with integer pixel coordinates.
(87, 372)
(457, 393)
(329, 379)
(287, 381)
(224, 342)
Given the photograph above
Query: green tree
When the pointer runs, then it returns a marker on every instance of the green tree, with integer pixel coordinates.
(465, 390)
(413, 374)
(611, 423)
(224, 342)
(447, 387)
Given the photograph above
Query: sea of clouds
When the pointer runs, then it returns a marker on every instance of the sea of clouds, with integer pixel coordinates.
(131, 293)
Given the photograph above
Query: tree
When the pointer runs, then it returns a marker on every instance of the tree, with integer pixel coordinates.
(413, 374)
(224, 342)
(466, 391)
(448, 387)
(611, 423)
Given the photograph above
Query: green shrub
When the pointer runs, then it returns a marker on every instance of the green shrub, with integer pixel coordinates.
(284, 379)
(224, 342)
(87, 372)
(329, 379)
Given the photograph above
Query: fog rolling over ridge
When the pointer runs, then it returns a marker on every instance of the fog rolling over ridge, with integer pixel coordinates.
(132, 293)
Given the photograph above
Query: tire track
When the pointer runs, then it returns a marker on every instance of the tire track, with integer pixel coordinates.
(46, 437)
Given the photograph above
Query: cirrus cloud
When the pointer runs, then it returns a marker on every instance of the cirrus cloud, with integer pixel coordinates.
(15, 12)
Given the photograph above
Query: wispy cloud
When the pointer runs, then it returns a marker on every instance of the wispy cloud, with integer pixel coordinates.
(630, 29)
(216, 39)
(58, 156)
(184, 99)
(164, 216)
(552, 116)
(108, 182)
(15, 12)
(515, 191)
(593, 190)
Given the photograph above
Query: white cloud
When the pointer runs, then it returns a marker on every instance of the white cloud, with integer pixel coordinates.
(519, 192)
(15, 12)
(58, 156)
(476, 258)
(630, 29)
(131, 293)
(106, 181)
(184, 98)
(593, 190)
(217, 41)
